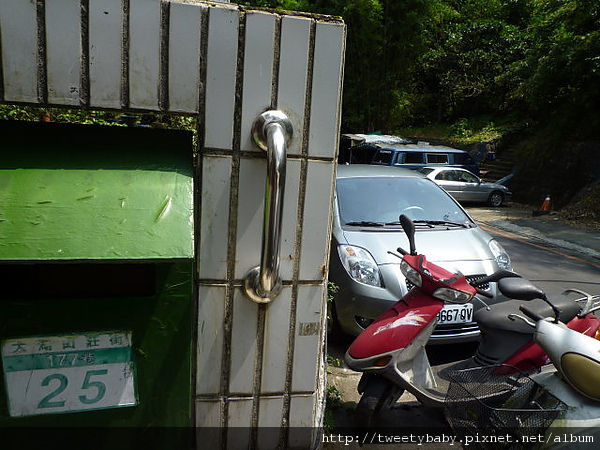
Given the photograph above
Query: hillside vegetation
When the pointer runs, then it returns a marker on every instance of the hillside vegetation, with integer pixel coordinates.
(523, 72)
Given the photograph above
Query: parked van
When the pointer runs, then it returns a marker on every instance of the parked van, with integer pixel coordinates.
(416, 156)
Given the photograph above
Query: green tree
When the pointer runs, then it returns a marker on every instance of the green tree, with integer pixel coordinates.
(563, 83)
(471, 45)
(384, 41)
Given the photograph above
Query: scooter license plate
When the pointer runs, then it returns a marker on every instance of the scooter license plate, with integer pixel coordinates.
(455, 314)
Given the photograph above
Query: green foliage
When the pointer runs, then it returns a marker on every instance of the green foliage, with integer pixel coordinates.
(563, 83)
(332, 289)
(417, 62)
(334, 361)
(63, 115)
(333, 400)
(471, 45)
(89, 117)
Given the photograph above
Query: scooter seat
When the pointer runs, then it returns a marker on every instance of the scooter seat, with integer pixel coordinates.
(496, 317)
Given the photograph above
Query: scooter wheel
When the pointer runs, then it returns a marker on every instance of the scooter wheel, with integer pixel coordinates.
(378, 395)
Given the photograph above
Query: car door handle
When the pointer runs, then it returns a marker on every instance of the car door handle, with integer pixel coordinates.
(272, 132)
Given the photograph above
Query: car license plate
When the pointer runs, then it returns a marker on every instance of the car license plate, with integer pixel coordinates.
(455, 314)
(75, 372)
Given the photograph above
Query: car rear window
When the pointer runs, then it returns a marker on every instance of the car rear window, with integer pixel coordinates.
(383, 157)
(437, 158)
(383, 199)
(413, 158)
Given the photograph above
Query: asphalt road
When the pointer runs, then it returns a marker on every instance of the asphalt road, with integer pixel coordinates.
(551, 268)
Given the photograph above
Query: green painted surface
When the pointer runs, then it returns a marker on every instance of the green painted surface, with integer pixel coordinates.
(95, 214)
(91, 192)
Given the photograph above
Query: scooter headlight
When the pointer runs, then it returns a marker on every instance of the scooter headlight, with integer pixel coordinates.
(411, 274)
(452, 295)
(360, 265)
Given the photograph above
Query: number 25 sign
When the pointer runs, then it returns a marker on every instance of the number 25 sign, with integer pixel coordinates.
(75, 372)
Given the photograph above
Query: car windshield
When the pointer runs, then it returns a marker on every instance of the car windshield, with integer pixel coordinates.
(379, 201)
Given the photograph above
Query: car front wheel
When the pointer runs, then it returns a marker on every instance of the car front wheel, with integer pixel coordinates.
(495, 199)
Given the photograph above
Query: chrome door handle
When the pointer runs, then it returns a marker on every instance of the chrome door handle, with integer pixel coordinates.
(271, 131)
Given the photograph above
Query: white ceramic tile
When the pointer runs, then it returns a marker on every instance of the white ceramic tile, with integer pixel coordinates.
(290, 219)
(302, 429)
(208, 413)
(243, 344)
(214, 216)
(184, 57)
(315, 237)
(105, 31)
(221, 67)
(308, 337)
(291, 97)
(277, 330)
(326, 96)
(208, 421)
(239, 417)
(269, 422)
(19, 50)
(211, 313)
(63, 51)
(207, 429)
(258, 71)
(250, 216)
(144, 53)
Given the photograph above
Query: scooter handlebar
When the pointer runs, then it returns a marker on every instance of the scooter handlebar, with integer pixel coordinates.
(530, 314)
(484, 293)
(495, 277)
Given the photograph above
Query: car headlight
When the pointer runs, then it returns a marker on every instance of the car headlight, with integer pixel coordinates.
(452, 295)
(411, 274)
(360, 265)
(500, 254)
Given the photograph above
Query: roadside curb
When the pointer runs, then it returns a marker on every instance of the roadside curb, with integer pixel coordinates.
(547, 229)
(533, 233)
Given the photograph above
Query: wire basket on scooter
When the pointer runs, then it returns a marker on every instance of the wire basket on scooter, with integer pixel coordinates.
(493, 408)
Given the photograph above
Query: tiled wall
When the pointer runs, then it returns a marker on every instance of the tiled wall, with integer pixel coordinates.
(257, 365)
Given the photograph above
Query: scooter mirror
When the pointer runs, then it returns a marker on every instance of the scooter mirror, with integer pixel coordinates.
(519, 289)
(409, 228)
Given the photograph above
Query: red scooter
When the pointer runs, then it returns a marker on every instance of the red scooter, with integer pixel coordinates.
(391, 351)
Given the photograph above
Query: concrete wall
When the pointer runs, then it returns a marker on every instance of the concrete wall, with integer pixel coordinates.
(257, 365)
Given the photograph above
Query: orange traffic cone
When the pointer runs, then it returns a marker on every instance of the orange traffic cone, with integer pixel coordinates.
(546, 204)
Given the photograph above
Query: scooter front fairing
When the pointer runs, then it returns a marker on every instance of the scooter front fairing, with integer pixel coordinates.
(396, 328)
(393, 346)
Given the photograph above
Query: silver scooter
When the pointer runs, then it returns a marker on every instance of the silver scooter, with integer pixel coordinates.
(557, 408)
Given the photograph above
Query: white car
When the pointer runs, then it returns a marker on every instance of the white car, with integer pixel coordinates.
(467, 187)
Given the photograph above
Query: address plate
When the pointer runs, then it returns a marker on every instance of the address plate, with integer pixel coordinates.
(68, 373)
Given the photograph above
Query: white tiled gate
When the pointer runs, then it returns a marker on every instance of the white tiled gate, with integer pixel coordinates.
(259, 367)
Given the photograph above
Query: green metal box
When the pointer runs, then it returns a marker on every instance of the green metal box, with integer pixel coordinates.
(97, 263)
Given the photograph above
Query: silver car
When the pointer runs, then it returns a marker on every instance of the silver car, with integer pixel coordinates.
(369, 200)
(467, 187)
